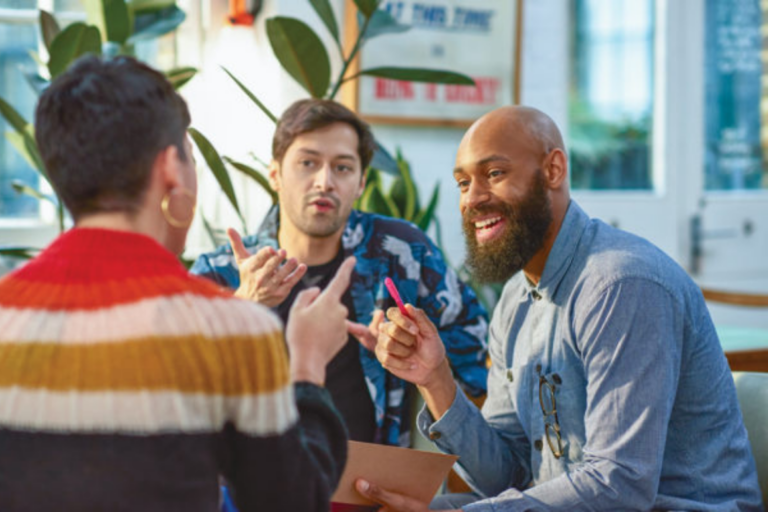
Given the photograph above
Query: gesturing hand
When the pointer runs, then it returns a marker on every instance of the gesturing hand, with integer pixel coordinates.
(316, 328)
(410, 348)
(262, 278)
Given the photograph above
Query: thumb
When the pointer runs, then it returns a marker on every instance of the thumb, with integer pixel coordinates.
(305, 298)
(363, 335)
(389, 499)
(425, 325)
(238, 248)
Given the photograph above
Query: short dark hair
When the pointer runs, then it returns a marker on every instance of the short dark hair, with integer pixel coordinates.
(312, 114)
(99, 127)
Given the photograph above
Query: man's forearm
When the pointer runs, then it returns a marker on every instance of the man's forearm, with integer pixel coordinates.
(440, 391)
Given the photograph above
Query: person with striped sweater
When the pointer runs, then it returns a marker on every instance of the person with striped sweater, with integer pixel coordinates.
(125, 382)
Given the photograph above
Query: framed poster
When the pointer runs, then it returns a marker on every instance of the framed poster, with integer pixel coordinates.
(480, 38)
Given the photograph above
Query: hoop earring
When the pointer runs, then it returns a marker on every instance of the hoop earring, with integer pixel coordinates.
(166, 203)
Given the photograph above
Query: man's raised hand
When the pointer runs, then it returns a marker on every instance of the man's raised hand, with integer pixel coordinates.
(262, 277)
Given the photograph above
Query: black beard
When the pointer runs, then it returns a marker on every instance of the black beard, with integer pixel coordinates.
(527, 224)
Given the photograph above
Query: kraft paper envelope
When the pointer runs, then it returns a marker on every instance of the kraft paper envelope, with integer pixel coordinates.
(414, 473)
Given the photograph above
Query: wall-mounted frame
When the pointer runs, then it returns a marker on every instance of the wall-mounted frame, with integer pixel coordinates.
(480, 38)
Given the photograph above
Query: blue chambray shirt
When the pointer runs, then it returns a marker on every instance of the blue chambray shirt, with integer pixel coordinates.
(387, 247)
(645, 400)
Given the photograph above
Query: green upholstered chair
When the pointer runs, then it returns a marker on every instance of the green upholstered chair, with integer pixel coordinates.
(752, 389)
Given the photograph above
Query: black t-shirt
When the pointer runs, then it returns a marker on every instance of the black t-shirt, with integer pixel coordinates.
(344, 378)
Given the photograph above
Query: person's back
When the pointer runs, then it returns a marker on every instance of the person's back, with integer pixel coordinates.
(126, 384)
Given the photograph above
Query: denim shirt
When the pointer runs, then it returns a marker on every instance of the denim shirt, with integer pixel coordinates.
(644, 398)
(387, 247)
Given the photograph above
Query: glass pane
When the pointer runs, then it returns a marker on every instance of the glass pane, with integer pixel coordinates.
(15, 42)
(68, 6)
(735, 159)
(611, 104)
(18, 4)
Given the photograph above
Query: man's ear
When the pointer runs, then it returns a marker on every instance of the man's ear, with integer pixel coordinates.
(274, 175)
(556, 168)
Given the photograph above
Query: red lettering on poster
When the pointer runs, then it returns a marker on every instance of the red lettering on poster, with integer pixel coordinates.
(386, 89)
(430, 92)
(484, 92)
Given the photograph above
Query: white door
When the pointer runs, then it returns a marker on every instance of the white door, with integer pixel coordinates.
(710, 213)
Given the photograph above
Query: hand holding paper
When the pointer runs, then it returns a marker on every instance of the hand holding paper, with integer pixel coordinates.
(392, 501)
(412, 475)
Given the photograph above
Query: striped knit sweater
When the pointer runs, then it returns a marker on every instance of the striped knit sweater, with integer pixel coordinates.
(127, 384)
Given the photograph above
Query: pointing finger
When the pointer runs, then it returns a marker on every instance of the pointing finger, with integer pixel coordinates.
(238, 248)
(340, 282)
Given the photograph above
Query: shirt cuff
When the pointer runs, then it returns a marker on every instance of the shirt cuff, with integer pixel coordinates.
(440, 431)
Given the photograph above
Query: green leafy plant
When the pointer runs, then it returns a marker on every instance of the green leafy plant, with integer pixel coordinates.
(302, 54)
(114, 27)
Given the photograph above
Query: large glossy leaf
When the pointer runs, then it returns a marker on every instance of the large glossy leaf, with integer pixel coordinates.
(146, 6)
(216, 165)
(426, 215)
(254, 175)
(434, 76)
(12, 116)
(367, 7)
(72, 42)
(49, 28)
(180, 76)
(251, 96)
(403, 191)
(24, 253)
(382, 23)
(374, 201)
(111, 17)
(151, 25)
(301, 53)
(25, 144)
(325, 11)
(383, 161)
(24, 189)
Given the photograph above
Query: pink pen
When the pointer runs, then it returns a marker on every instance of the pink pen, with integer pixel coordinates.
(396, 295)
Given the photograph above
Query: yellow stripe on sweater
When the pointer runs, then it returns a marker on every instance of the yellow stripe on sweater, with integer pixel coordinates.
(229, 366)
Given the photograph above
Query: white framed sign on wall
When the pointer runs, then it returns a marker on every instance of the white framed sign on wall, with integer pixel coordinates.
(480, 38)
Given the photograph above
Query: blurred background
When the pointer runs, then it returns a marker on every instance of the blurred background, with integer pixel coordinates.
(661, 103)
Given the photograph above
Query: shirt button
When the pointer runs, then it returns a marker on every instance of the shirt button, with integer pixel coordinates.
(558, 380)
(536, 295)
(538, 368)
(510, 377)
(434, 436)
(538, 445)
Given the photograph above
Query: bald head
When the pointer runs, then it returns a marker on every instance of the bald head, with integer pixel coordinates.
(527, 127)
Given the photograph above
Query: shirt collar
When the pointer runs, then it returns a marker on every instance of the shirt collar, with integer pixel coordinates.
(562, 253)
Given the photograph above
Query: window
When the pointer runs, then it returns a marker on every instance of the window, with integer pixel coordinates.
(611, 94)
(18, 35)
(735, 159)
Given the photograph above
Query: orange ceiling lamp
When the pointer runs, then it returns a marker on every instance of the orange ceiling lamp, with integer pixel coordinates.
(243, 12)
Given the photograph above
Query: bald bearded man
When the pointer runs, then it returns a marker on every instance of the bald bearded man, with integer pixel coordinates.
(608, 388)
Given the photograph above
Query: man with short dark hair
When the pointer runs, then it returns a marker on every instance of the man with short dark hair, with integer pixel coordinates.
(608, 388)
(320, 152)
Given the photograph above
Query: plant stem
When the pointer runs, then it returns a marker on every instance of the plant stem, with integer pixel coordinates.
(61, 216)
(349, 59)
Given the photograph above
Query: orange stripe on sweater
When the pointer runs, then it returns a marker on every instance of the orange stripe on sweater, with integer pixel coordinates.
(237, 365)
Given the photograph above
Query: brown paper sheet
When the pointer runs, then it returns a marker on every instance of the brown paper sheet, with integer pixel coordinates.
(414, 473)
